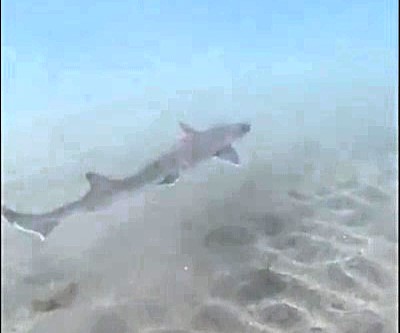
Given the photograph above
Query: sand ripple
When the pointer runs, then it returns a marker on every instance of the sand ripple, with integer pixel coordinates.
(293, 261)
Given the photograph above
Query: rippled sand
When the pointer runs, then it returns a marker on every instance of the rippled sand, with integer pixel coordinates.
(252, 252)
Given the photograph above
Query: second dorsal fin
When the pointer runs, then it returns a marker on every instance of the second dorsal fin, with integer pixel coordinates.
(97, 181)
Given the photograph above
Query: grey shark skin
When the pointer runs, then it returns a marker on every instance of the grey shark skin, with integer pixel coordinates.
(194, 147)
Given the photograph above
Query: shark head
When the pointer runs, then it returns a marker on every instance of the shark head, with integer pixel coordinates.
(242, 129)
(196, 146)
(221, 136)
(234, 132)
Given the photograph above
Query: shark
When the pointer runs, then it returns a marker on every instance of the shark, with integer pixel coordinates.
(194, 147)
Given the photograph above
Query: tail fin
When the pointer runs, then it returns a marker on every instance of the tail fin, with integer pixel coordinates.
(36, 224)
(9, 214)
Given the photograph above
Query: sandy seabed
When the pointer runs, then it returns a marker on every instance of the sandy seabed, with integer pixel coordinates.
(240, 251)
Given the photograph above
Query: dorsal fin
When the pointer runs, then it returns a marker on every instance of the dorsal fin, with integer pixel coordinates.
(187, 129)
(97, 181)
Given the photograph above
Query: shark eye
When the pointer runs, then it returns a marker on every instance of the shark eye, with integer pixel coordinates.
(245, 128)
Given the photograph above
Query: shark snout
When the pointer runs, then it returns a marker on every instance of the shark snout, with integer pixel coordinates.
(245, 128)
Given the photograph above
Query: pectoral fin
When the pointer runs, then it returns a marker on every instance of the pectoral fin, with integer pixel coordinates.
(228, 154)
(170, 179)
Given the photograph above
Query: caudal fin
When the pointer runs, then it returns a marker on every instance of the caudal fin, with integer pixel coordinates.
(36, 224)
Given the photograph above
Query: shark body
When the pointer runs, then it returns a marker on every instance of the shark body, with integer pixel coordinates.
(194, 147)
